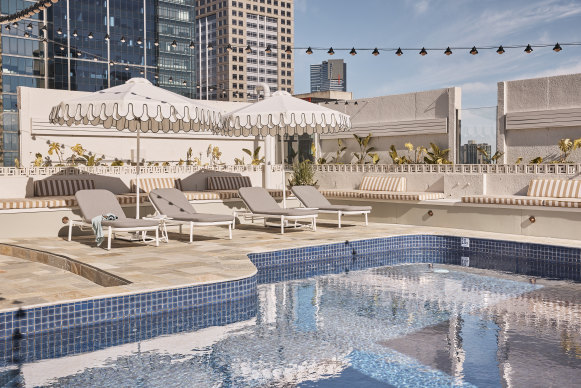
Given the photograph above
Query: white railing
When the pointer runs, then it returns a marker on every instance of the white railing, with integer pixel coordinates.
(564, 169)
(126, 170)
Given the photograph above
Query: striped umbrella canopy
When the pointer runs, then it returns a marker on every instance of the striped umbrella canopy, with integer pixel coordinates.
(136, 104)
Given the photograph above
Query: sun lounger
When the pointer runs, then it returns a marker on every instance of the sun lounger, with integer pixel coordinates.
(94, 203)
(173, 203)
(260, 203)
(310, 197)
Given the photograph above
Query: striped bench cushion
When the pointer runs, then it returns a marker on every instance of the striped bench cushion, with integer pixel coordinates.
(228, 182)
(382, 183)
(341, 193)
(37, 202)
(131, 198)
(148, 184)
(200, 195)
(61, 187)
(556, 188)
(563, 202)
(407, 196)
(520, 200)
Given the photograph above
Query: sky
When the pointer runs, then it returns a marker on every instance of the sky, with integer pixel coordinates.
(438, 24)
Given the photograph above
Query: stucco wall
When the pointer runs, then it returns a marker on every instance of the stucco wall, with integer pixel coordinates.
(549, 95)
(419, 118)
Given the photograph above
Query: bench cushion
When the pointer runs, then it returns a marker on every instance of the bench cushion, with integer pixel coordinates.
(148, 184)
(61, 187)
(555, 188)
(228, 182)
(382, 195)
(382, 183)
(563, 202)
(520, 200)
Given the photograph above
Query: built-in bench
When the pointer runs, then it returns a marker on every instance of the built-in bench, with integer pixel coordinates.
(148, 184)
(541, 192)
(383, 188)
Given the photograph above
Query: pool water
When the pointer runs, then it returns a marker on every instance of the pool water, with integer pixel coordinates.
(400, 326)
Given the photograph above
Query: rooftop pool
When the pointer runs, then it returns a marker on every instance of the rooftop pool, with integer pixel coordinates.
(425, 311)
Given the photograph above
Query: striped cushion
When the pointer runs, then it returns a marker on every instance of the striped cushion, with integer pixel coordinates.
(228, 182)
(148, 184)
(231, 194)
(37, 203)
(130, 199)
(61, 187)
(504, 200)
(556, 188)
(200, 195)
(407, 196)
(383, 183)
(560, 202)
(340, 193)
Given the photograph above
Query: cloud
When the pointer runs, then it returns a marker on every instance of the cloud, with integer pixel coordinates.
(570, 68)
(421, 6)
(479, 87)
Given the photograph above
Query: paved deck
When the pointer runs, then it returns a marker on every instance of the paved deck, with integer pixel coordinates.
(211, 258)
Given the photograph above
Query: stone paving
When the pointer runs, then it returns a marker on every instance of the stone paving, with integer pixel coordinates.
(211, 258)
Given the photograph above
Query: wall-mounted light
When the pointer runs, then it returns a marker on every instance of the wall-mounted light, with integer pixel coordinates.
(532, 219)
(430, 213)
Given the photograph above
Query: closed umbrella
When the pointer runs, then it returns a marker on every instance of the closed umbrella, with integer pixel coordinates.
(137, 106)
(282, 114)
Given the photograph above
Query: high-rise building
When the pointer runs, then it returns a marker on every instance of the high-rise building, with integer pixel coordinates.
(241, 44)
(329, 75)
(469, 153)
(89, 45)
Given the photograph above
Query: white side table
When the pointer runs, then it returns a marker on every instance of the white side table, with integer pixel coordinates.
(163, 222)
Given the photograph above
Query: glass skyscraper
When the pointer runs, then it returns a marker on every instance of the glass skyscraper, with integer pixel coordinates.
(329, 75)
(89, 45)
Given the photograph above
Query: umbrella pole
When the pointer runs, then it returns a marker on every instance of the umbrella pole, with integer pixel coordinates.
(137, 185)
(283, 172)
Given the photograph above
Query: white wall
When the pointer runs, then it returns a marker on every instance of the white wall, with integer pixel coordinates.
(552, 111)
(419, 118)
(34, 107)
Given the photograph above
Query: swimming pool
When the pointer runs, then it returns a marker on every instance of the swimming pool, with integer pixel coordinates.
(318, 318)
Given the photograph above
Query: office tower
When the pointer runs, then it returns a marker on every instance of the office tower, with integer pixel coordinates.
(241, 44)
(469, 153)
(329, 75)
(89, 45)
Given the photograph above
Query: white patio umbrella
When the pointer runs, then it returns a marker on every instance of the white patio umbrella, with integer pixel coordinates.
(283, 114)
(137, 106)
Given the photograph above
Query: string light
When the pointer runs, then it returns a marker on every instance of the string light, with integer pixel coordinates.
(309, 51)
(331, 51)
(107, 37)
(448, 51)
(288, 50)
(123, 39)
(423, 52)
(139, 41)
(557, 48)
(90, 36)
(500, 50)
(399, 53)
(248, 49)
(353, 52)
(59, 31)
(75, 33)
(474, 51)
(375, 52)
(174, 44)
(211, 47)
(268, 49)
(156, 42)
(529, 49)
(192, 45)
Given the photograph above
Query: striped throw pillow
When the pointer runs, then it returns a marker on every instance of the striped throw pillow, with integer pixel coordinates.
(61, 187)
(383, 183)
(228, 182)
(555, 188)
(148, 184)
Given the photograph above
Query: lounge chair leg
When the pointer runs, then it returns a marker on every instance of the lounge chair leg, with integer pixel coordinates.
(157, 237)
(281, 224)
(339, 219)
(230, 229)
(181, 228)
(366, 221)
(191, 232)
(314, 224)
(234, 221)
(109, 239)
(70, 230)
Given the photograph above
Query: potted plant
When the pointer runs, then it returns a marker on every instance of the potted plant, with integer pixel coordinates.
(303, 174)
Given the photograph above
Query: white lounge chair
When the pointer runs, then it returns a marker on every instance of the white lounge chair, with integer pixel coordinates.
(261, 204)
(173, 203)
(311, 198)
(98, 202)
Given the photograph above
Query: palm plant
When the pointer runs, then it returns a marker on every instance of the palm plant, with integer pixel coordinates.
(57, 149)
(436, 155)
(396, 158)
(537, 160)
(340, 149)
(490, 159)
(255, 158)
(364, 149)
(567, 146)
